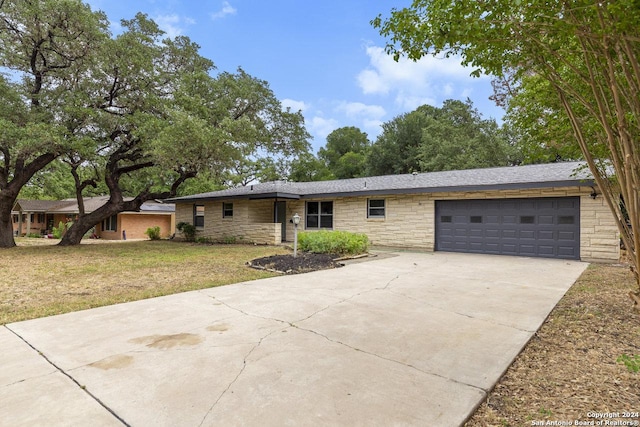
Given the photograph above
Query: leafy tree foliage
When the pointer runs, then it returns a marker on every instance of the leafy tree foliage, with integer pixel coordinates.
(434, 139)
(45, 45)
(137, 115)
(585, 53)
(345, 152)
(307, 168)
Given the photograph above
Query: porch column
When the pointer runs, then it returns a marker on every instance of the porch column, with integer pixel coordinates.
(28, 222)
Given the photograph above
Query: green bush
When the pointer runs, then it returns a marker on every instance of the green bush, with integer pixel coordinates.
(153, 233)
(189, 231)
(333, 242)
(34, 235)
(59, 230)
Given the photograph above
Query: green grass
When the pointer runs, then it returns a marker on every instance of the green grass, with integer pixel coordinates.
(43, 280)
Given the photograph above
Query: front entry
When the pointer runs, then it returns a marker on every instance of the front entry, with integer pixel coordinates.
(280, 215)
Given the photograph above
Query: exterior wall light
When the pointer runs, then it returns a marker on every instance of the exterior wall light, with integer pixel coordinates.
(296, 220)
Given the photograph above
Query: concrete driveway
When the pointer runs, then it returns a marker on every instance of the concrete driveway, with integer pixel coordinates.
(412, 339)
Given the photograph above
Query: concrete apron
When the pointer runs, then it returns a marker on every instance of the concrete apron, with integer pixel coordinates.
(414, 339)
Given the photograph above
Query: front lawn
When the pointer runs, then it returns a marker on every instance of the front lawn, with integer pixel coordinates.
(38, 281)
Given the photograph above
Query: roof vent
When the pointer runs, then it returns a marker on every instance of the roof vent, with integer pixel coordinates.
(251, 187)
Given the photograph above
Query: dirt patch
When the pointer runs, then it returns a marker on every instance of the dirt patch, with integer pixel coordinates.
(569, 370)
(303, 263)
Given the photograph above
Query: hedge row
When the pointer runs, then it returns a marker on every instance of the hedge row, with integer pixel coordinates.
(333, 242)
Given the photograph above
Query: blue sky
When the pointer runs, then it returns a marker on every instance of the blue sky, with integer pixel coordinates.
(323, 58)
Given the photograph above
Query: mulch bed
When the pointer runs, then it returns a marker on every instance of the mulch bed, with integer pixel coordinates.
(303, 263)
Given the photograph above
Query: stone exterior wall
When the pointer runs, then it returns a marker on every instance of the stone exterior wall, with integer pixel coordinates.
(409, 220)
(252, 221)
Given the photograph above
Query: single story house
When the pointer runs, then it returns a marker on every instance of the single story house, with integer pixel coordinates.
(40, 216)
(549, 210)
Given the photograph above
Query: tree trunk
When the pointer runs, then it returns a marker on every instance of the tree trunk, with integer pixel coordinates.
(84, 223)
(6, 224)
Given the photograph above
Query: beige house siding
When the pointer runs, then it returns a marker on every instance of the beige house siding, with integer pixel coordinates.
(409, 219)
(252, 221)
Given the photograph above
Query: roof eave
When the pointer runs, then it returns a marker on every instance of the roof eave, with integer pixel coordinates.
(454, 189)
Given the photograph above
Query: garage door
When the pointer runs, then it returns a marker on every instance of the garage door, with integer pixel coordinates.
(541, 227)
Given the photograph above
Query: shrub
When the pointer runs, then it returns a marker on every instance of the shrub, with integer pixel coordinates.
(153, 233)
(333, 242)
(59, 230)
(34, 235)
(189, 231)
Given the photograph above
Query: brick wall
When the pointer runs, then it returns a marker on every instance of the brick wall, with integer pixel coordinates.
(136, 223)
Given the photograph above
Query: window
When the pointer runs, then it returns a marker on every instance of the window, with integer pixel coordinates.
(15, 218)
(445, 218)
(475, 220)
(375, 208)
(33, 218)
(198, 215)
(41, 218)
(227, 210)
(319, 215)
(110, 224)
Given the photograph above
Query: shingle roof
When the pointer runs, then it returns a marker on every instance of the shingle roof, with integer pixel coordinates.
(516, 177)
(70, 206)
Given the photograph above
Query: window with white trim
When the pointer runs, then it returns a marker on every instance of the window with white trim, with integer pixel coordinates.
(110, 224)
(375, 208)
(319, 215)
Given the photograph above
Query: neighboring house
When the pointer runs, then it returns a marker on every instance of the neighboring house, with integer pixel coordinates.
(537, 210)
(40, 216)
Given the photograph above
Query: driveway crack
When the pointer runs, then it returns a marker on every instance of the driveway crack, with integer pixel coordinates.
(63, 372)
(242, 369)
(388, 359)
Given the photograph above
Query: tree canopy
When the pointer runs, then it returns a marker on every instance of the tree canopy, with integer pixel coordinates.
(429, 139)
(585, 53)
(138, 114)
(345, 152)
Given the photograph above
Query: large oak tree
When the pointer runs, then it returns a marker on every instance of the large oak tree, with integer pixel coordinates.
(42, 44)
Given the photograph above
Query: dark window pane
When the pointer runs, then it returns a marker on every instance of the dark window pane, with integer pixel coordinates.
(199, 221)
(326, 208)
(475, 219)
(566, 220)
(227, 210)
(376, 203)
(527, 220)
(445, 218)
(326, 221)
(376, 212)
(312, 208)
(312, 221)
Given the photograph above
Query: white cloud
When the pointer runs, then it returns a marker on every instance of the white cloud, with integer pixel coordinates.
(358, 110)
(321, 127)
(294, 105)
(173, 25)
(410, 102)
(227, 9)
(414, 83)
